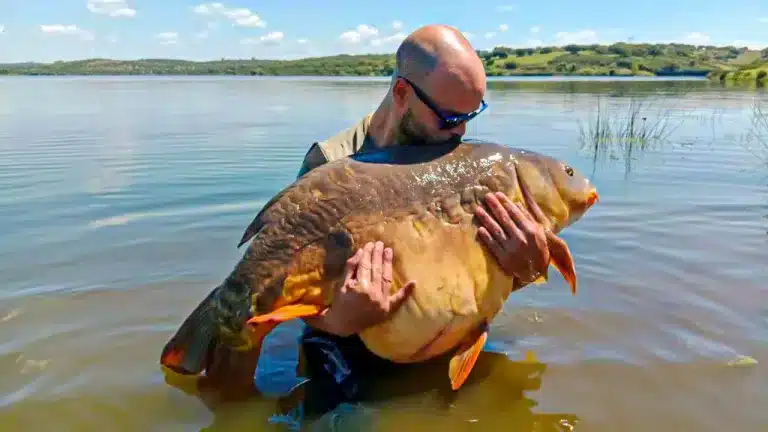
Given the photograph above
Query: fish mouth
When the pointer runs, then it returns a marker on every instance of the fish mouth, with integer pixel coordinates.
(593, 198)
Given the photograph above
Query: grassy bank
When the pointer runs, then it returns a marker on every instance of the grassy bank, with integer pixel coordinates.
(756, 73)
(753, 70)
(620, 59)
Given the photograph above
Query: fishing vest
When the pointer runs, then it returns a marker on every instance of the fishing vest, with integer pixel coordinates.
(344, 143)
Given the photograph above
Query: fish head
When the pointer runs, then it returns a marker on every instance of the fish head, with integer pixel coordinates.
(562, 192)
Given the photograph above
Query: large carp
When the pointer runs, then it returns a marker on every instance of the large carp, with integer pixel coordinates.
(418, 201)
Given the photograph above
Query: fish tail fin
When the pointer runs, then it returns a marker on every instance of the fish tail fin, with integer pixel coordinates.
(561, 259)
(189, 350)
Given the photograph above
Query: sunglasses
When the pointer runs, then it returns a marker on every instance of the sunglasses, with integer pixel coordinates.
(446, 121)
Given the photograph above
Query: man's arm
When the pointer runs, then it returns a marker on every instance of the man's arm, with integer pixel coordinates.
(363, 300)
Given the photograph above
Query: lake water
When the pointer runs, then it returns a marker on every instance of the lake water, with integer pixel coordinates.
(122, 201)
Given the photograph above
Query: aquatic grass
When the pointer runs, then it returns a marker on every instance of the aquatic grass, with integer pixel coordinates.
(621, 131)
(757, 136)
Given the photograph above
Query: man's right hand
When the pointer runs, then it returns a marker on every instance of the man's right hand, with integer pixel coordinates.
(363, 299)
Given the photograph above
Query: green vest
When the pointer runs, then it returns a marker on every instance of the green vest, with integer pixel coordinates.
(344, 143)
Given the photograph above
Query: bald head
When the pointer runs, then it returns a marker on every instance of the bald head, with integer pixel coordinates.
(439, 49)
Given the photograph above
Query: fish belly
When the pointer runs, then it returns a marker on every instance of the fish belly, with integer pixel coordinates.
(459, 285)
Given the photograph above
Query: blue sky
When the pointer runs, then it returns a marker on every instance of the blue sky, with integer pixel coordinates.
(48, 30)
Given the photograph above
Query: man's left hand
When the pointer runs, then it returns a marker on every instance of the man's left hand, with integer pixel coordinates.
(514, 236)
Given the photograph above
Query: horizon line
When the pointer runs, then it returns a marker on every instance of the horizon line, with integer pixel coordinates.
(698, 46)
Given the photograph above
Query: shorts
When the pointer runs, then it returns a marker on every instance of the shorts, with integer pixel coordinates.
(338, 368)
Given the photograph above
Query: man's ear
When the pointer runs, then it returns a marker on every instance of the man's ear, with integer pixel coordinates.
(400, 94)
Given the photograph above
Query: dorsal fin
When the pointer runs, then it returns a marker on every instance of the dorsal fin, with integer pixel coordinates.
(259, 221)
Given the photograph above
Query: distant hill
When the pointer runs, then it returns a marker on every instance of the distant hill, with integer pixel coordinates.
(614, 59)
(754, 71)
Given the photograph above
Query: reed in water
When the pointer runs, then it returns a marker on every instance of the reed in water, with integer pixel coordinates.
(756, 139)
(618, 132)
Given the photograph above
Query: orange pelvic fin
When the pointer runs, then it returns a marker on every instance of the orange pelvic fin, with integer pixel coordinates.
(561, 259)
(463, 361)
(287, 313)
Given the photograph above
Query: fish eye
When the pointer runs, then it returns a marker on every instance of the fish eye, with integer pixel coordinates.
(568, 170)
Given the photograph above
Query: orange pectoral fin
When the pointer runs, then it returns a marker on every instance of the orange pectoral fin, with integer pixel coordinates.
(463, 361)
(287, 313)
(561, 259)
(261, 325)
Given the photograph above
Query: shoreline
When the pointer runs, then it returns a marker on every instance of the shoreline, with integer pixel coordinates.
(593, 60)
(381, 78)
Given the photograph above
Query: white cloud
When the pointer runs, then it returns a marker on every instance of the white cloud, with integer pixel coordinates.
(397, 25)
(697, 38)
(534, 43)
(395, 38)
(242, 17)
(361, 33)
(763, 19)
(208, 8)
(490, 35)
(468, 35)
(581, 37)
(2, 29)
(168, 38)
(503, 27)
(506, 8)
(66, 30)
(112, 8)
(535, 29)
(274, 37)
(302, 41)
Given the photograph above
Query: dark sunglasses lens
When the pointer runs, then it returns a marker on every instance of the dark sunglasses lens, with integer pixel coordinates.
(451, 123)
(455, 122)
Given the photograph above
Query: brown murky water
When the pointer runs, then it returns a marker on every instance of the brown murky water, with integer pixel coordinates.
(122, 210)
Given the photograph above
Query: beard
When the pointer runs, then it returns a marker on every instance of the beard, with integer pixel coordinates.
(411, 133)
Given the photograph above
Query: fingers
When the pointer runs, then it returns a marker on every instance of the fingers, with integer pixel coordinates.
(386, 272)
(364, 267)
(495, 247)
(487, 221)
(352, 262)
(523, 220)
(510, 225)
(533, 205)
(377, 264)
(397, 299)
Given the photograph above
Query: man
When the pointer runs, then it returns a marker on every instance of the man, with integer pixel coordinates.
(438, 78)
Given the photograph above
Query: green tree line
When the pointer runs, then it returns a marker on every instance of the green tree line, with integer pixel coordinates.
(594, 59)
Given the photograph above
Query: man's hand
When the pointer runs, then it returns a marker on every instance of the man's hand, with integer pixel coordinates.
(515, 237)
(364, 299)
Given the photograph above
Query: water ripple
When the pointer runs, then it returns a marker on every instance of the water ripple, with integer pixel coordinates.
(123, 210)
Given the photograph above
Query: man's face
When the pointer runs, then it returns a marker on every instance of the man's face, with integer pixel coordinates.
(411, 132)
(421, 125)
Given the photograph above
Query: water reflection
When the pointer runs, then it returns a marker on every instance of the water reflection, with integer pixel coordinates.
(613, 88)
(412, 396)
(672, 264)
